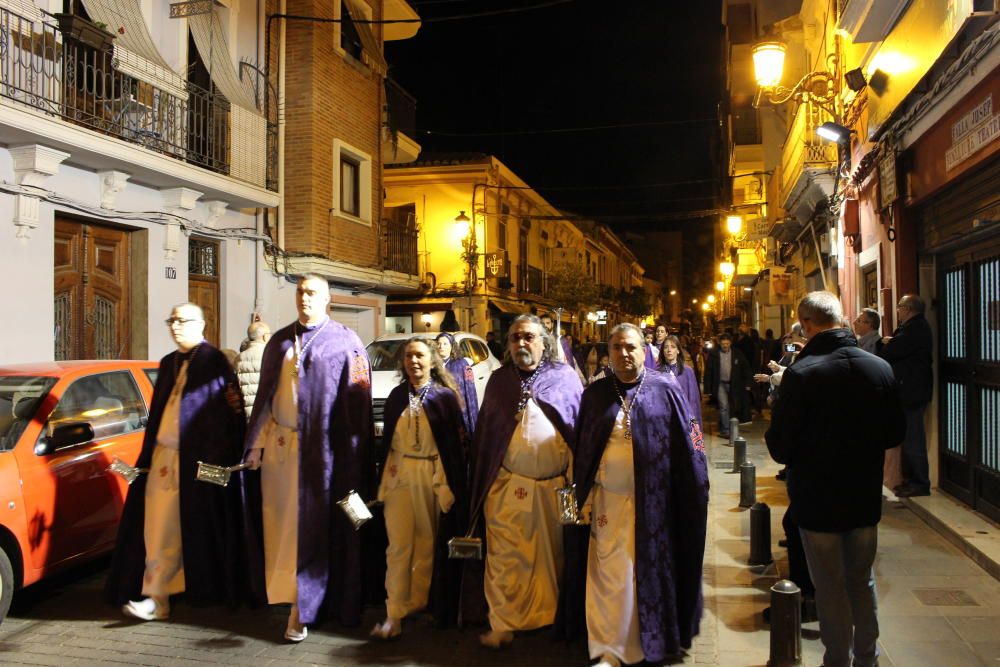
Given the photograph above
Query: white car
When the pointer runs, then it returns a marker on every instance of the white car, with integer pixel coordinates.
(383, 354)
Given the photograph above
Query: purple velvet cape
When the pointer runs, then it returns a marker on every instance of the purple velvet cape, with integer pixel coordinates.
(689, 388)
(567, 351)
(210, 431)
(557, 391)
(445, 416)
(652, 356)
(465, 380)
(671, 510)
(335, 434)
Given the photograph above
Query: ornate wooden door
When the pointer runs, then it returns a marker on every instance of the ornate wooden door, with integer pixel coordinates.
(91, 299)
(203, 283)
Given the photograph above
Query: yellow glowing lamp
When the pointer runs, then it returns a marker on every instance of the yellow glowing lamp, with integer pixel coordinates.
(705, 307)
(727, 268)
(734, 224)
(710, 298)
(694, 300)
(768, 63)
(673, 292)
(462, 223)
(720, 286)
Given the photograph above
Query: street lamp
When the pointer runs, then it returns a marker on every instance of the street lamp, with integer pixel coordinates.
(705, 307)
(734, 224)
(768, 63)
(720, 286)
(425, 319)
(694, 301)
(710, 298)
(470, 256)
(727, 268)
(673, 292)
(768, 67)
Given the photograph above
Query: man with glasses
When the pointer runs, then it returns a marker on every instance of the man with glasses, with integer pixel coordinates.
(909, 351)
(178, 535)
(310, 436)
(866, 328)
(521, 456)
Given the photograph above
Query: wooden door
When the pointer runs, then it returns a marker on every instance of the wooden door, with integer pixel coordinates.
(91, 299)
(203, 283)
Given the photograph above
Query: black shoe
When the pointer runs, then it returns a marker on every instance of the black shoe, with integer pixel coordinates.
(911, 491)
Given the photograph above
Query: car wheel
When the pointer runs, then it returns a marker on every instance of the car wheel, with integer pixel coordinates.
(6, 584)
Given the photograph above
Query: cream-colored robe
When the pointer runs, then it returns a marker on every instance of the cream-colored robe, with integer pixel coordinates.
(413, 476)
(524, 555)
(612, 605)
(279, 487)
(164, 574)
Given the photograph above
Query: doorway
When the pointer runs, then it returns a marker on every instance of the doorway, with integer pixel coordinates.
(203, 283)
(969, 379)
(91, 296)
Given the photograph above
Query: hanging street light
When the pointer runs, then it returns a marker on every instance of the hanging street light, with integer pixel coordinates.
(768, 63)
(727, 268)
(734, 224)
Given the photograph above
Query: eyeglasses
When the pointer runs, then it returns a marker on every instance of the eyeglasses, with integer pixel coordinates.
(178, 320)
(526, 337)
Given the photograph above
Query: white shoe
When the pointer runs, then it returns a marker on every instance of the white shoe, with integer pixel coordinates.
(496, 639)
(392, 627)
(147, 609)
(293, 635)
(608, 660)
(295, 631)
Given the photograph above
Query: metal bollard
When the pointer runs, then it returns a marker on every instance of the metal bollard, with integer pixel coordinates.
(748, 484)
(734, 430)
(760, 534)
(786, 625)
(739, 454)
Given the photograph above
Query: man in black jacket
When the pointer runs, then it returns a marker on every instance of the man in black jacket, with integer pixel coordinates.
(909, 352)
(835, 471)
(728, 378)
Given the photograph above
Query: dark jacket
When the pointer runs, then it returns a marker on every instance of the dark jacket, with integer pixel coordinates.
(909, 353)
(740, 377)
(837, 413)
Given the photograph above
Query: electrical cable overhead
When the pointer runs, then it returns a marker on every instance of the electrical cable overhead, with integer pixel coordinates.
(570, 130)
(427, 20)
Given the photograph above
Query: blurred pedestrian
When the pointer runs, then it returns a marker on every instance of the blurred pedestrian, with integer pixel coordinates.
(727, 380)
(249, 360)
(465, 381)
(866, 328)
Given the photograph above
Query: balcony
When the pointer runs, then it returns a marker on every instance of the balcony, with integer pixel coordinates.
(399, 240)
(400, 125)
(808, 163)
(64, 76)
(532, 281)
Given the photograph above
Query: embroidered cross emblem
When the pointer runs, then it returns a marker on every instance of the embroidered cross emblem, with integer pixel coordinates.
(520, 493)
(602, 521)
(281, 441)
(697, 437)
(393, 470)
(163, 471)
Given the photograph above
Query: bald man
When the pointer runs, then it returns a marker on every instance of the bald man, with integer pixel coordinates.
(179, 535)
(249, 360)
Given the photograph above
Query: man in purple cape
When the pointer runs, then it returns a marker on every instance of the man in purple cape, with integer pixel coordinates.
(670, 502)
(332, 420)
(545, 394)
(207, 425)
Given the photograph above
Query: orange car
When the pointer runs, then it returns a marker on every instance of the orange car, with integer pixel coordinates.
(61, 424)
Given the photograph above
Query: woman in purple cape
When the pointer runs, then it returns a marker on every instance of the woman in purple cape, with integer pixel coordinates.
(671, 360)
(465, 381)
(423, 488)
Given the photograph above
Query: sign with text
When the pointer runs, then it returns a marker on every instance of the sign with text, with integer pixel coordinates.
(171, 273)
(887, 179)
(976, 129)
(496, 264)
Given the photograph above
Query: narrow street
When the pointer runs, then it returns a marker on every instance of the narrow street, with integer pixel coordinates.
(936, 608)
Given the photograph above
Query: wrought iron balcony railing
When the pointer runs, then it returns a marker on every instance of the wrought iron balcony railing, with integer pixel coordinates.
(53, 72)
(401, 109)
(804, 150)
(399, 244)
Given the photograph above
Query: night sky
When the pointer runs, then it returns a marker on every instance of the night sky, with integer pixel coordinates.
(517, 82)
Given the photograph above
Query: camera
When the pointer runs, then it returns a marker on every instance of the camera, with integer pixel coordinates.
(789, 347)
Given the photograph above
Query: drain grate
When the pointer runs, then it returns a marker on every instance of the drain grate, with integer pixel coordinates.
(944, 597)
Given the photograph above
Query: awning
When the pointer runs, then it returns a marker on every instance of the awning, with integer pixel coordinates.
(135, 52)
(508, 307)
(210, 40)
(371, 54)
(744, 280)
